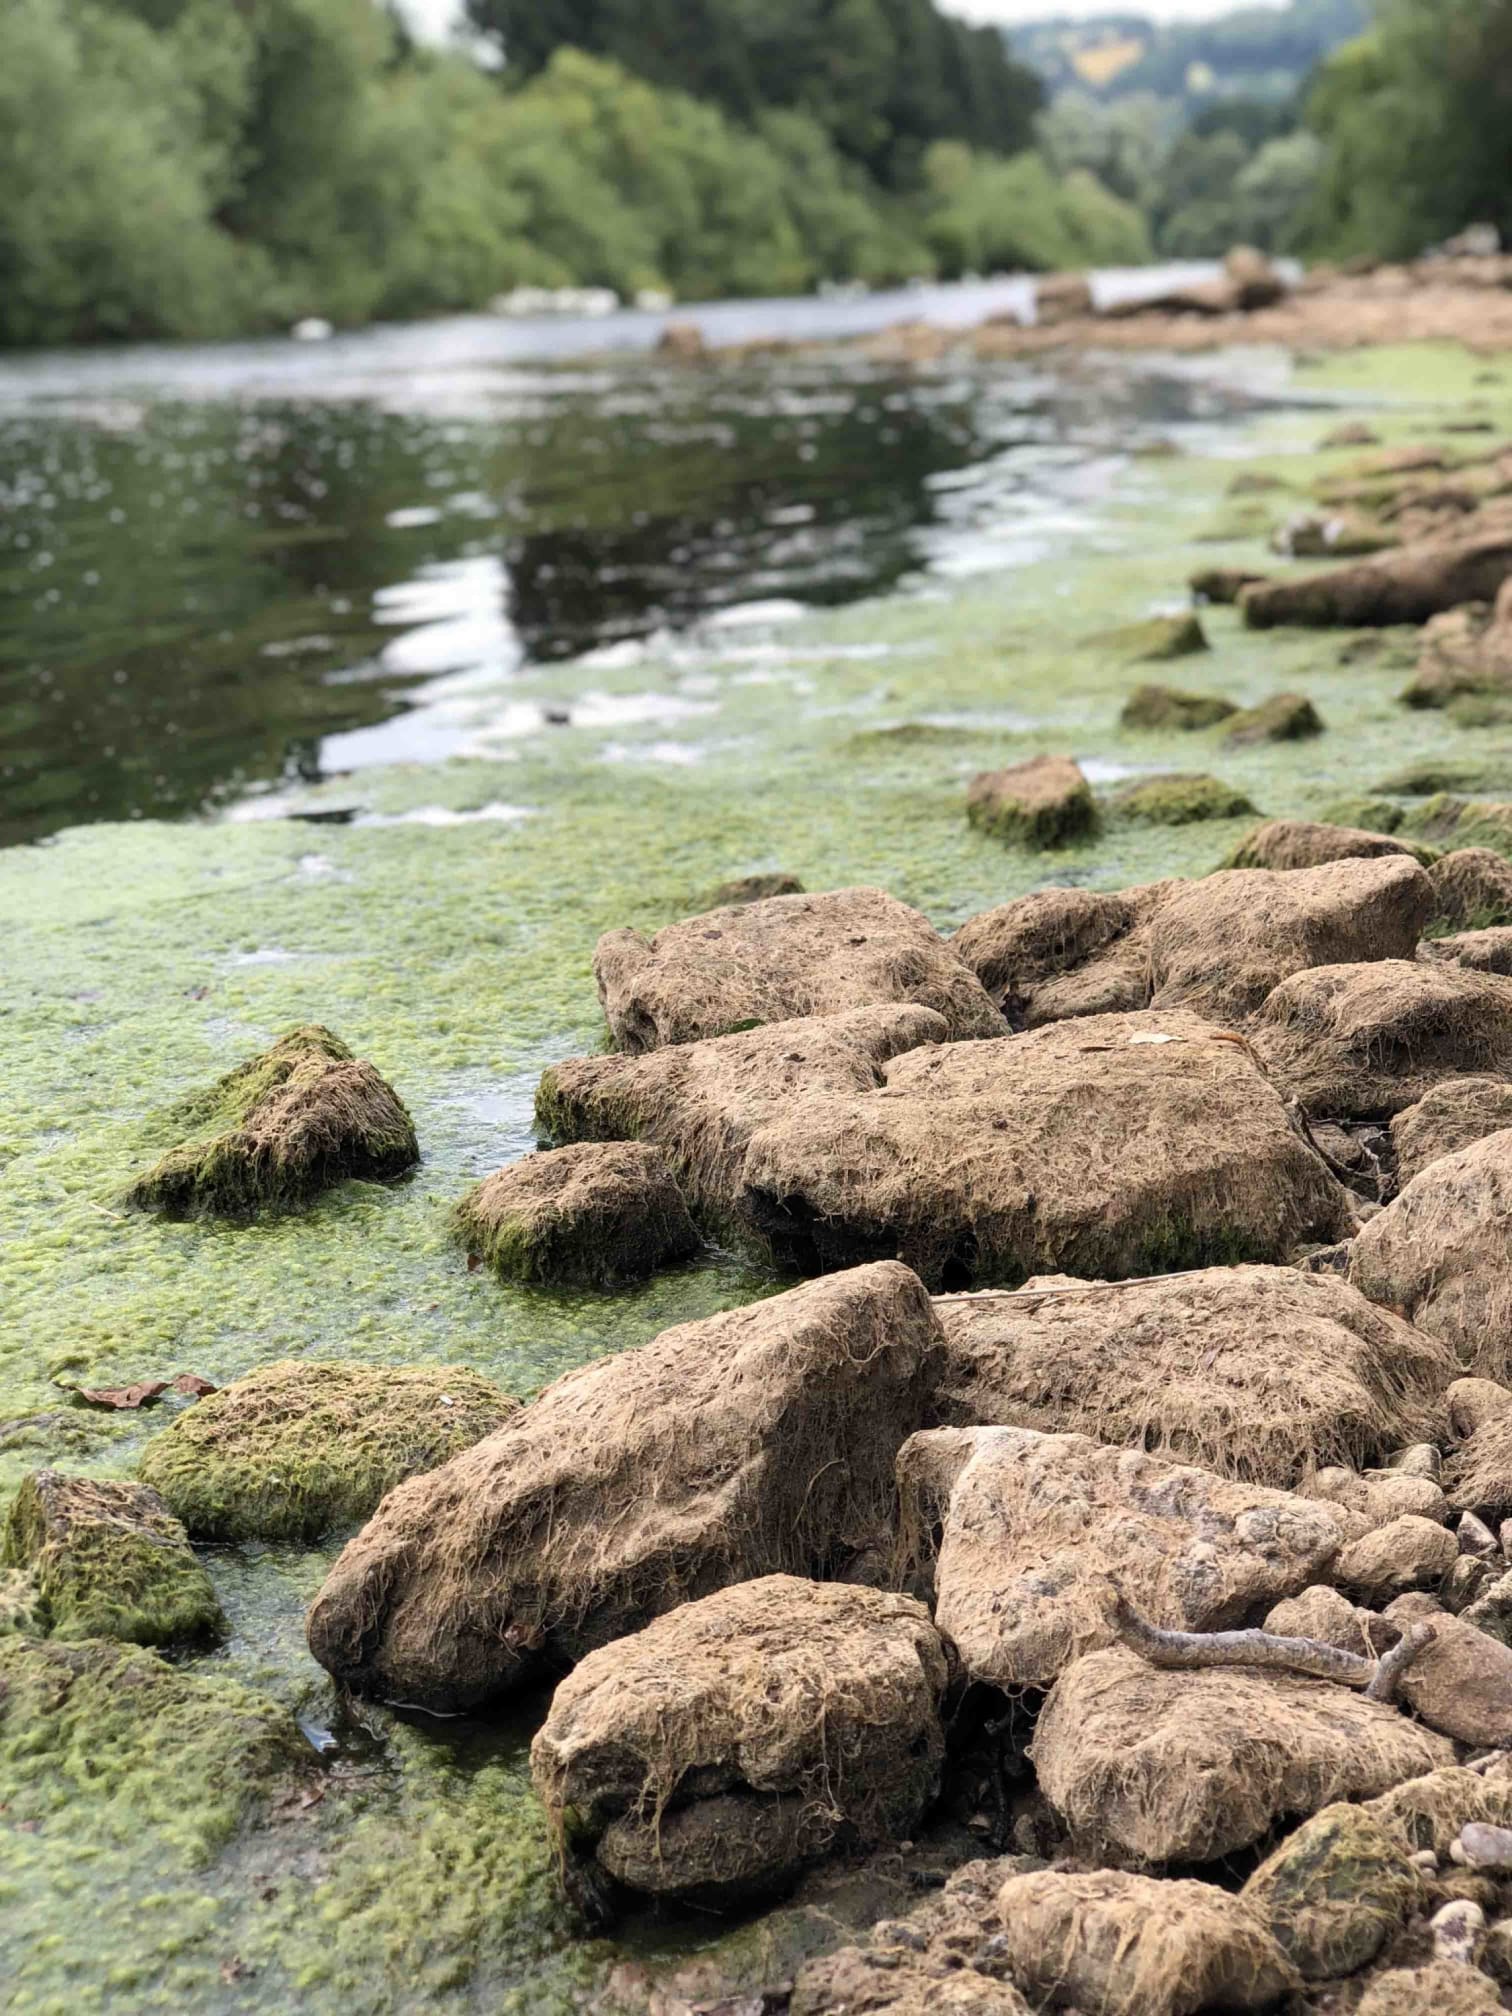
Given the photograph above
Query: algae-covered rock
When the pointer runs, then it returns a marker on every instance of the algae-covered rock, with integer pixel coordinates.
(1408, 1553)
(1305, 843)
(1257, 1373)
(1407, 586)
(595, 1212)
(1335, 1891)
(1285, 717)
(1455, 1114)
(1445, 1988)
(857, 1981)
(1473, 887)
(142, 1742)
(1181, 799)
(1332, 535)
(1116, 1944)
(1188, 1767)
(1364, 1041)
(1162, 708)
(1452, 822)
(1157, 639)
(295, 1449)
(1057, 954)
(713, 1754)
(278, 1130)
(1478, 951)
(1478, 1475)
(1429, 1812)
(22, 1611)
(1467, 650)
(756, 1442)
(1223, 586)
(753, 889)
(1364, 813)
(1030, 1528)
(110, 1561)
(1045, 802)
(783, 957)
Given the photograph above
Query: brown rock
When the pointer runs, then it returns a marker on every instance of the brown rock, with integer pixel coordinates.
(1334, 1892)
(1301, 843)
(1473, 886)
(1046, 802)
(1285, 717)
(1408, 586)
(596, 1212)
(1462, 1684)
(1410, 1553)
(1443, 1989)
(1063, 953)
(1454, 1115)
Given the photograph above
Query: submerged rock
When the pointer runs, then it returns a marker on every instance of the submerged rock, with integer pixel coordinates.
(1189, 1767)
(1285, 717)
(1045, 802)
(1455, 1114)
(1112, 1944)
(1408, 586)
(297, 1448)
(1164, 708)
(786, 956)
(595, 1212)
(1365, 1042)
(109, 1560)
(1303, 843)
(1114, 1146)
(1259, 1373)
(713, 1754)
(1439, 1253)
(1335, 1891)
(753, 1443)
(280, 1129)
(1058, 954)
(1033, 1531)
(1180, 799)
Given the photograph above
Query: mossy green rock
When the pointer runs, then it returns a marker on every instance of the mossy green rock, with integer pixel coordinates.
(1365, 814)
(751, 889)
(1151, 642)
(1159, 708)
(142, 1743)
(594, 1212)
(295, 1449)
(1285, 717)
(1454, 823)
(109, 1560)
(278, 1130)
(1179, 799)
(1335, 1891)
(1046, 802)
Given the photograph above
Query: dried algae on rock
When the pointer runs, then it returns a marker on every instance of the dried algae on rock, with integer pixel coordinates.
(592, 1212)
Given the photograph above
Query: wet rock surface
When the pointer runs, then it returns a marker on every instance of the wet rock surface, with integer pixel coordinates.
(596, 1212)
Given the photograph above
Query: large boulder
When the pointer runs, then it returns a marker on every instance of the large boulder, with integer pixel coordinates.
(714, 1753)
(1259, 1373)
(1189, 1767)
(1115, 1146)
(1045, 802)
(1409, 585)
(108, 1560)
(1364, 1042)
(595, 1212)
(278, 1130)
(297, 1448)
(1058, 954)
(1029, 1533)
(770, 961)
(1114, 1944)
(1439, 1254)
(1335, 1891)
(1304, 843)
(1452, 1116)
(1221, 945)
(757, 1442)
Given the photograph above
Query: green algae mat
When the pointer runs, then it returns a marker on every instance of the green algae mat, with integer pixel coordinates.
(161, 1844)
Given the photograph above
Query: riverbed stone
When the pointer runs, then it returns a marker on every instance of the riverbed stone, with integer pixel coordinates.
(1182, 798)
(1473, 886)
(1410, 585)
(109, 1560)
(1057, 954)
(1461, 1684)
(1409, 1553)
(1488, 951)
(1046, 802)
(1445, 1988)
(1155, 639)
(1308, 843)
(1335, 1891)
(1454, 1115)
(867, 1981)
(595, 1212)
(1466, 650)
(1284, 717)
(1162, 709)
(1478, 1474)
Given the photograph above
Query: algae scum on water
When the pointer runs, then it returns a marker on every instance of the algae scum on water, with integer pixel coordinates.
(217, 1830)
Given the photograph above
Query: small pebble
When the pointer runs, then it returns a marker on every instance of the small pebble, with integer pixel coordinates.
(1421, 1460)
(1476, 1537)
(1457, 1930)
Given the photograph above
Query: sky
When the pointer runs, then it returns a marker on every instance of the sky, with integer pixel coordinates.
(437, 16)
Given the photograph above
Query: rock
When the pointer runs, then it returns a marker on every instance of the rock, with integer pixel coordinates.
(1473, 1402)
(1112, 1944)
(1300, 843)
(704, 1102)
(596, 1212)
(1166, 708)
(1476, 1538)
(1157, 639)
(855, 1982)
(1045, 802)
(1258, 1373)
(1335, 1891)
(1364, 814)
(1285, 717)
(1443, 1989)
(1189, 1767)
(1479, 1473)
(1486, 1847)
(1366, 1041)
(1454, 1115)
(23, 1613)
(1323, 1613)
(756, 1442)
(716, 1752)
(297, 1448)
(1332, 535)
(1474, 888)
(1491, 1610)
(1255, 281)
(753, 889)
(1180, 799)
(1350, 434)
(1410, 1553)
(1449, 822)
(771, 961)
(1058, 954)
(1222, 586)
(1408, 586)
(683, 342)
(1477, 951)
(1462, 1684)
(280, 1129)
(1114, 1146)
(1035, 1529)
(1418, 1459)
(1427, 1814)
(108, 1561)
(1465, 650)
(1439, 1253)
(1062, 297)
(1468, 1580)
(1382, 1495)
(1223, 945)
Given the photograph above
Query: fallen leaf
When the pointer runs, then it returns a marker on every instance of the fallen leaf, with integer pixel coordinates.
(192, 1384)
(121, 1398)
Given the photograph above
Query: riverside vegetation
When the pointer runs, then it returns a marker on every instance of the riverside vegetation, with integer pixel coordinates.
(813, 1630)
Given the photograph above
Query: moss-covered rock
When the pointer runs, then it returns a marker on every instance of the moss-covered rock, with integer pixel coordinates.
(1452, 822)
(1181, 798)
(1335, 1891)
(751, 889)
(1222, 585)
(1286, 844)
(1285, 717)
(279, 1129)
(109, 1561)
(594, 1212)
(1153, 641)
(145, 1744)
(1165, 707)
(295, 1449)
(21, 1609)
(1043, 803)
(1365, 813)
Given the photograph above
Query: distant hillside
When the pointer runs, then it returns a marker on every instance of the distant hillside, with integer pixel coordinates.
(1254, 52)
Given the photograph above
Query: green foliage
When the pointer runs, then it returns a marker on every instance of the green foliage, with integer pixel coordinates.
(985, 214)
